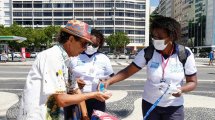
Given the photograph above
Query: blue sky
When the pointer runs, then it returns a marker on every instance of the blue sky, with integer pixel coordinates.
(154, 3)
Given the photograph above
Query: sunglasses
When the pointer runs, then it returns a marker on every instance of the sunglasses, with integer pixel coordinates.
(85, 44)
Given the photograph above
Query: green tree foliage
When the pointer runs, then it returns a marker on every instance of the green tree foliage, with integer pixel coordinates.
(117, 41)
(36, 38)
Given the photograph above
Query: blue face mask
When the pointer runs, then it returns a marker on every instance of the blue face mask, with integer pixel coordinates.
(91, 50)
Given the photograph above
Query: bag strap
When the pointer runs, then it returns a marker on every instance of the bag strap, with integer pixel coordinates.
(148, 53)
(182, 55)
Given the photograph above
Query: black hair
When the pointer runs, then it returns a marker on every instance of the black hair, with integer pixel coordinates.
(63, 36)
(172, 27)
(98, 35)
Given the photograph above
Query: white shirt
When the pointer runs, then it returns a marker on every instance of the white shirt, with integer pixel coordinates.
(91, 70)
(46, 77)
(174, 74)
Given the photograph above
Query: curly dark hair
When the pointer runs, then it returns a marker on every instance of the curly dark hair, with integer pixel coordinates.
(172, 27)
(99, 35)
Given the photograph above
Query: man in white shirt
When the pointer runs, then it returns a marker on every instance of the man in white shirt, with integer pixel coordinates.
(45, 91)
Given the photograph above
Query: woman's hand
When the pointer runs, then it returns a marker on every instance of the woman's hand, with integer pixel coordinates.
(81, 83)
(102, 96)
(178, 94)
(85, 118)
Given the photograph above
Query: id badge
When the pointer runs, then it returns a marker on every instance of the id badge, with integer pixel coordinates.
(162, 87)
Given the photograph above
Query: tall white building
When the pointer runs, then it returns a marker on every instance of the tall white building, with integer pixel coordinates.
(5, 12)
(210, 24)
(108, 16)
(166, 8)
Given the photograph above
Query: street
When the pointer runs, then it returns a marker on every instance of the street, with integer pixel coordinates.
(13, 80)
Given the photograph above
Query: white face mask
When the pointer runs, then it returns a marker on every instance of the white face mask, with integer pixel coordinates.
(159, 44)
(91, 50)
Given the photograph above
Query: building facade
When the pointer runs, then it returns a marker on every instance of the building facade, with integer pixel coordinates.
(108, 16)
(210, 24)
(5, 13)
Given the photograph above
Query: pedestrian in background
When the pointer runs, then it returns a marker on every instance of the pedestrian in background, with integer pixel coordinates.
(162, 69)
(44, 94)
(211, 57)
(88, 68)
(4, 56)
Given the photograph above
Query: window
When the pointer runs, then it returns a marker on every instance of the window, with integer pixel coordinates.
(108, 5)
(37, 13)
(27, 13)
(58, 5)
(18, 22)
(58, 22)
(98, 5)
(47, 22)
(17, 14)
(37, 4)
(99, 14)
(27, 22)
(7, 14)
(119, 23)
(78, 13)
(139, 23)
(27, 5)
(47, 14)
(88, 14)
(119, 13)
(108, 13)
(120, 5)
(6, 5)
(86, 5)
(47, 5)
(38, 22)
(58, 13)
(129, 14)
(109, 22)
(78, 5)
(17, 4)
(68, 14)
(68, 5)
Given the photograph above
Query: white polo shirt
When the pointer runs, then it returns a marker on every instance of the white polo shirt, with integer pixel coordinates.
(46, 77)
(174, 74)
(91, 69)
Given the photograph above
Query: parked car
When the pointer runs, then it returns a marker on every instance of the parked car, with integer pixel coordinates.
(123, 56)
(34, 54)
(17, 55)
(111, 56)
(27, 54)
(132, 56)
(203, 55)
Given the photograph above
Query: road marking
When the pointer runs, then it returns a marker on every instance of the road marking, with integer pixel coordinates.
(11, 89)
(13, 72)
(12, 78)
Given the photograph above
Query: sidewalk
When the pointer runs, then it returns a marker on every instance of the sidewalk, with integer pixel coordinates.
(191, 101)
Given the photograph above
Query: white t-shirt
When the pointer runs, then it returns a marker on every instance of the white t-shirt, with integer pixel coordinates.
(173, 73)
(91, 69)
(47, 76)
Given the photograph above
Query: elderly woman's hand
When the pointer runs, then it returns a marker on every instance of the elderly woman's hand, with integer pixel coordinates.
(102, 96)
(81, 83)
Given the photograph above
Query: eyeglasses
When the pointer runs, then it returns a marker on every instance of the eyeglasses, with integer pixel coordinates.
(84, 43)
(93, 45)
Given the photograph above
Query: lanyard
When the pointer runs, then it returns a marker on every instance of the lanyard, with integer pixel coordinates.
(155, 104)
(164, 65)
